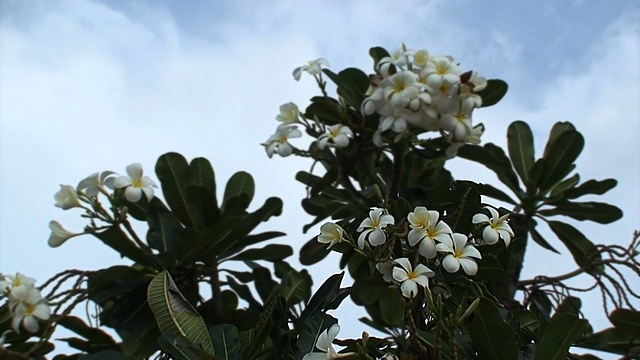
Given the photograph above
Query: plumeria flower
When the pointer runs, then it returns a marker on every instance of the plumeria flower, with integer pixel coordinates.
(372, 226)
(67, 197)
(425, 229)
(497, 226)
(410, 278)
(331, 234)
(420, 58)
(17, 285)
(457, 121)
(279, 142)
(472, 138)
(135, 184)
(29, 310)
(323, 343)
(313, 68)
(399, 58)
(400, 88)
(471, 84)
(95, 182)
(440, 69)
(288, 113)
(338, 134)
(460, 253)
(59, 234)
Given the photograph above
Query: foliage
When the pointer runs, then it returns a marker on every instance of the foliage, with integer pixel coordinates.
(440, 283)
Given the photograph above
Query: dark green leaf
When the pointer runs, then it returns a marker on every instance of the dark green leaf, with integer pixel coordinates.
(564, 185)
(352, 85)
(313, 252)
(591, 187)
(202, 174)
(105, 355)
(174, 174)
(496, 89)
(182, 348)
(583, 250)
(272, 252)
(239, 183)
(601, 213)
(626, 319)
(108, 284)
(494, 158)
(120, 242)
(466, 203)
(245, 293)
(571, 305)
(521, 151)
(311, 328)
(492, 337)
(562, 331)
(490, 191)
(326, 294)
(391, 305)
(377, 53)
(562, 154)
(611, 340)
(557, 129)
(226, 342)
(535, 235)
(163, 230)
(325, 109)
(95, 335)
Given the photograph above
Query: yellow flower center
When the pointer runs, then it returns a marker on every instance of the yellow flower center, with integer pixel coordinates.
(30, 308)
(137, 183)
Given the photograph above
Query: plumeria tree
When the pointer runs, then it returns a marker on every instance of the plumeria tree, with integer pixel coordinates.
(435, 261)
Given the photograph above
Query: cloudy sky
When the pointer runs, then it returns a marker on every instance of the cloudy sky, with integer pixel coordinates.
(88, 86)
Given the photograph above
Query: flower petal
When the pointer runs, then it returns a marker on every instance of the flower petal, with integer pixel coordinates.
(479, 218)
(489, 235)
(469, 266)
(133, 194)
(428, 248)
(450, 263)
(409, 288)
(377, 237)
(135, 172)
(122, 181)
(399, 274)
(404, 262)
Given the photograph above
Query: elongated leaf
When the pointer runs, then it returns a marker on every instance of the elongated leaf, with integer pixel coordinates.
(239, 183)
(202, 174)
(174, 174)
(260, 332)
(562, 331)
(562, 154)
(626, 319)
(557, 129)
(466, 203)
(174, 313)
(521, 150)
(296, 287)
(377, 53)
(490, 191)
(95, 335)
(611, 340)
(564, 185)
(492, 337)
(582, 249)
(352, 85)
(325, 109)
(601, 213)
(226, 342)
(494, 158)
(327, 292)
(120, 242)
(105, 355)
(591, 187)
(163, 230)
(537, 237)
(496, 89)
(272, 252)
(312, 252)
(309, 332)
(181, 348)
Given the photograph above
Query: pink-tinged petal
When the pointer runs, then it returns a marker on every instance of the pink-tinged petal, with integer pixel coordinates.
(404, 262)
(479, 218)
(494, 212)
(135, 172)
(460, 240)
(433, 217)
(428, 248)
(443, 228)
(122, 181)
(148, 192)
(489, 235)
(399, 274)
(377, 237)
(422, 270)
(386, 220)
(133, 194)
(470, 251)
(409, 288)
(469, 266)
(450, 263)
(415, 236)
(505, 236)
(285, 149)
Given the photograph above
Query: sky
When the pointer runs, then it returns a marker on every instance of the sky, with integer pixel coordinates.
(89, 86)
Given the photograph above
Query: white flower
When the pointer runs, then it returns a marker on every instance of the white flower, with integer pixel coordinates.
(288, 113)
(400, 88)
(399, 58)
(457, 122)
(313, 68)
(460, 254)
(411, 278)
(59, 234)
(472, 138)
(331, 234)
(497, 226)
(30, 308)
(470, 87)
(440, 69)
(372, 226)
(323, 343)
(425, 229)
(420, 58)
(338, 134)
(279, 142)
(67, 197)
(386, 269)
(95, 182)
(16, 285)
(135, 184)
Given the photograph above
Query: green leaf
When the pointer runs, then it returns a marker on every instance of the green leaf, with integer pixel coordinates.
(521, 150)
(561, 155)
(260, 332)
(562, 331)
(272, 252)
(496, 89)
(591, 187)
(465, 204)
(312, 252)
(296, 287)
(104, 355)
(95, 335)
(611, 340)
(180, 348)
(240, 183)
(226, 342)
(202, 174)
(325, 109)
(113, 282)
(557, 129)
(492, 337)
(174, 313)
(391, 305)
(494, 158)
(535, 235)
(120, 242)
(490, 191)
(377, 53)
(174, 174)
(601, 213)
(626, 319)
(163, 230)
(583, 250)
(310, 329)
(327, 292)
(564, 185)
(570, 305)
(352, 85)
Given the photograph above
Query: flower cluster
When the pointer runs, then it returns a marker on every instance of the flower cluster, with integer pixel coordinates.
(85, 196)
(430, 235)
(27, 305)
(428, 91)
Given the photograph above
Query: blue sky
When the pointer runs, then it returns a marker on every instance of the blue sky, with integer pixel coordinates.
(88, 86)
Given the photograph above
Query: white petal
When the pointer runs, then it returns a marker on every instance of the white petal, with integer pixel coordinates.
(428, 248)
(133, 194)
(122, 181)
(469, 266)
(443, 228)
(135, 172)
(404, 262)
(489, 235)
(460, 240)
(30, 323)
(377, 237)
(148, 192)
(422, 270)
(409, 288)
(494, 212)
(471, 251)
(399, 274)
(479, 218)
(285, 149)
(415, 235)
(42, 311)
(450, 263)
